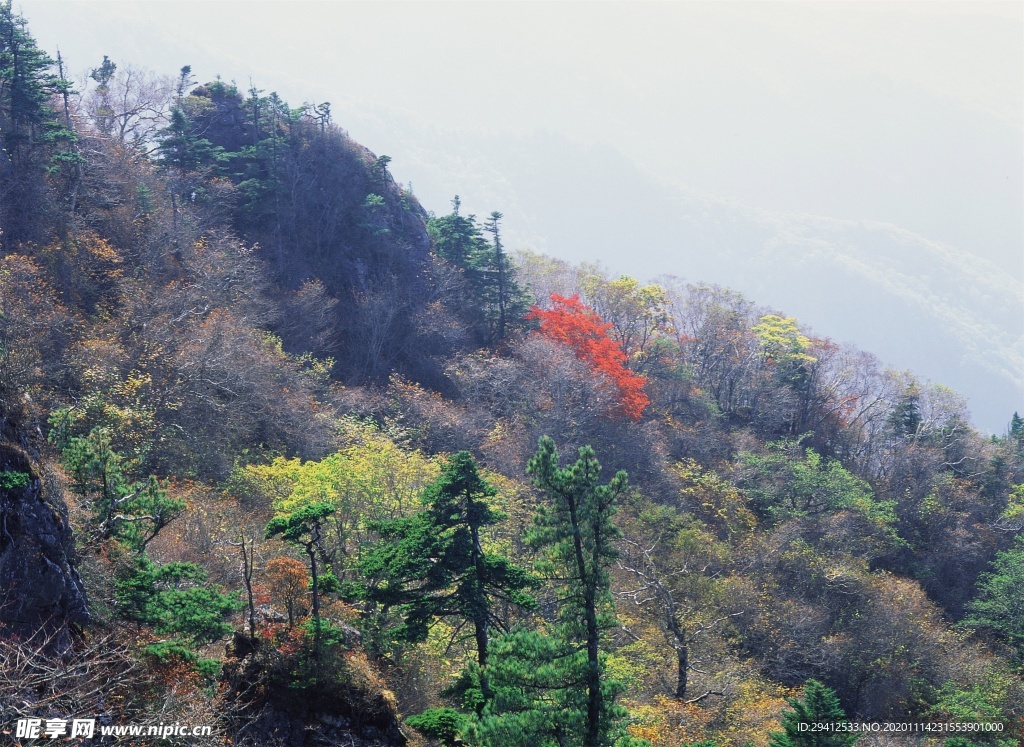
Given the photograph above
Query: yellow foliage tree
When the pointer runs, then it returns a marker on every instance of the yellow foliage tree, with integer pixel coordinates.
(370, 479)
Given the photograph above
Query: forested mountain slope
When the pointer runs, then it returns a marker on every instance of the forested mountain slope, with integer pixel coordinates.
(251, 391)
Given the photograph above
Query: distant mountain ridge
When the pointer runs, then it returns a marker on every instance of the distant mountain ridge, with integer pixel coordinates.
(917, 303)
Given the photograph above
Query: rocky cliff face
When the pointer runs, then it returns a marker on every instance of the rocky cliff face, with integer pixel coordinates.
(300, 703)
(41, 594)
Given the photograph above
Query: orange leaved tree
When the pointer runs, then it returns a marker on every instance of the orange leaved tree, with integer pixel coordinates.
(570, 322)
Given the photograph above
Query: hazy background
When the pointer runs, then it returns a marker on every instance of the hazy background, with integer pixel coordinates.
(857, 165)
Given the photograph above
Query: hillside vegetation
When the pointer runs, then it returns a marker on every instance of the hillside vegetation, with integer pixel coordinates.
(431, 491)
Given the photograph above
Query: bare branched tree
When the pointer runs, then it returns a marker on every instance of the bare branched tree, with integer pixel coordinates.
(682, 620)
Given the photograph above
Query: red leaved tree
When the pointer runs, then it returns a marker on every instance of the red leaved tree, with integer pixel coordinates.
(570, 322)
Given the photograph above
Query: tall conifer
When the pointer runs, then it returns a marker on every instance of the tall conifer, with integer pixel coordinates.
(433, 564)
(819, 705)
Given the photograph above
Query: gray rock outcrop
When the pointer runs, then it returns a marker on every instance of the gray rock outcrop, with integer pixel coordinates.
(41, 594)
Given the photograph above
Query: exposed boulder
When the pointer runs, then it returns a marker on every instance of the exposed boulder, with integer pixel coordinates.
(41, 593)
(283, 696)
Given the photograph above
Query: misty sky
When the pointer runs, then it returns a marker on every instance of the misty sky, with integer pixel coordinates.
(904, 114)
(826, 108)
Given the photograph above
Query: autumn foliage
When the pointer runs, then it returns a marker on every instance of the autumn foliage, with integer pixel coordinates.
(288, 584)
(572, 323)
(254, 322)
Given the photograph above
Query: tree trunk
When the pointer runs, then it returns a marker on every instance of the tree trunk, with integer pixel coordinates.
(682, 660)
(680, 645)
(248, 563)
(593, 633)
(316, 601)
(593, 675)
(480, 621)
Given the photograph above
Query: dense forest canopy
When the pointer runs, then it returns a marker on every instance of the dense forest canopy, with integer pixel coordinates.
(257, 392)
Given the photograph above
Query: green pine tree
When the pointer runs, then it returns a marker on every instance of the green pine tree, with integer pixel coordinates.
(458, 239)
(905, 419)
(819, 705)
(1015, 432)
(433, 564)
(495, 299)
(182, 149)
(552, 689)
(175, 598)
(178, 602)
(36, 140)
(305, 528)
(129, 510)
(505, 303)
(999, 606)
(26, 86)
(442, 724)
